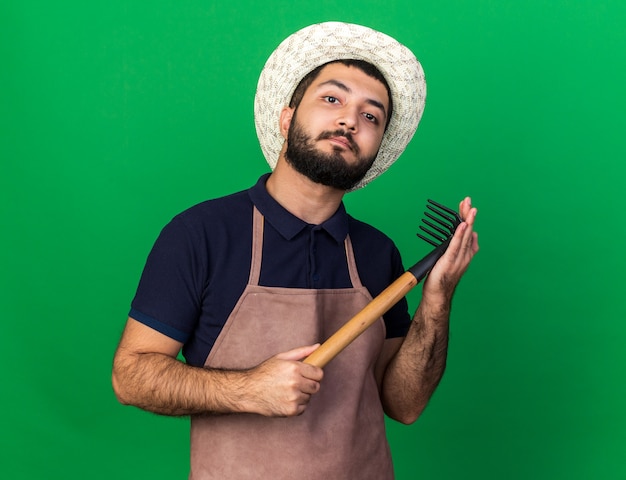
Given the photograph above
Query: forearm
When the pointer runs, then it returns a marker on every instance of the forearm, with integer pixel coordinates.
(155, 381)
(164, 385)
(415, 371)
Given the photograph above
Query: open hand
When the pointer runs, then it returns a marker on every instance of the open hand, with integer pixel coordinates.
(449, 269)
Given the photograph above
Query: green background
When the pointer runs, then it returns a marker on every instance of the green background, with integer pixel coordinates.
(117, 115)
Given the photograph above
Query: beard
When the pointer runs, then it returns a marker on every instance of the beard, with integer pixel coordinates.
(329, 169)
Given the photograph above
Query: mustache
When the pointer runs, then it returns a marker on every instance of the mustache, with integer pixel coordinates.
(340, 133)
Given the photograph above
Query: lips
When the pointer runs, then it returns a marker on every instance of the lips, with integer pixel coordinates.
(343, 141)
(340, 138)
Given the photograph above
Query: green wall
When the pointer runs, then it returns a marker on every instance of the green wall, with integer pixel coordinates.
(117, 115)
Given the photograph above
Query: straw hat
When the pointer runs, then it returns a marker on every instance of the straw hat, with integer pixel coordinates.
(321, 43)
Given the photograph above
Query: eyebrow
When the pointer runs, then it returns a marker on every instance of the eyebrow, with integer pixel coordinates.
(345, 88)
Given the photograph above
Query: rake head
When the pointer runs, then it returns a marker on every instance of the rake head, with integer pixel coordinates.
(441, 223)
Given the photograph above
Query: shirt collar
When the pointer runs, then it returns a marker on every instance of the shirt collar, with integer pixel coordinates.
(287, 224)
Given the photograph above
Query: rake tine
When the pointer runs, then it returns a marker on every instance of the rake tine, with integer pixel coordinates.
(433, 243)
(438, 220)
(433, 234)
(443, 215)
(432, 225)
(444, 208)
(455, 216)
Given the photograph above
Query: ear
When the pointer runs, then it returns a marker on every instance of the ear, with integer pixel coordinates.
(286, 114)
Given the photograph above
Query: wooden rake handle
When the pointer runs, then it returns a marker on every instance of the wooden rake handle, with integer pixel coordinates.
(362, 320)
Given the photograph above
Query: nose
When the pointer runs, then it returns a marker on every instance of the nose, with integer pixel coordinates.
(348, 119)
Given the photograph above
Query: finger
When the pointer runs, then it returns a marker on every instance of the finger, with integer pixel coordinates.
(469, 244)
(468, 248)
(457, 241)
(464, 207)
(310, 387)
(462, 239)
(469, 234)
(475, 246)
(298, 353)
(471, 216)
(312, 372)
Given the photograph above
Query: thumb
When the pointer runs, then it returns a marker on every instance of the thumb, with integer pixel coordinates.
(298, 353)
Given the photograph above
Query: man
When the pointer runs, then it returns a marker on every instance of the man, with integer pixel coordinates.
(248, 285)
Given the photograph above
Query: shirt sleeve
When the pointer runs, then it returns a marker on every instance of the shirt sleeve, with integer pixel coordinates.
(168, 297)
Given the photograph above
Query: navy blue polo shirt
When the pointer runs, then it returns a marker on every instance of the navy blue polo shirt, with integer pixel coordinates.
(200, 263)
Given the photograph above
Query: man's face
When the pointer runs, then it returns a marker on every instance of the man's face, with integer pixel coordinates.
(336, 130)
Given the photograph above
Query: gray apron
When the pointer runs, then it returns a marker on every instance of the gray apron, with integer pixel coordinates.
(341, 434)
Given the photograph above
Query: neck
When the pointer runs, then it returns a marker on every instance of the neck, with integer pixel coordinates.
(311, 202)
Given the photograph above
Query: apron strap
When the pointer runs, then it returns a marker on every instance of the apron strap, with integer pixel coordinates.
(257, 247)
(354, 273)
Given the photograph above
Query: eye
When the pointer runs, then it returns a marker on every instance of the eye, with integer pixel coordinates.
(370, 117)
(331, 99)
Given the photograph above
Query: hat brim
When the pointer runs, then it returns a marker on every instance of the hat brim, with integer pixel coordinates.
(321, 43)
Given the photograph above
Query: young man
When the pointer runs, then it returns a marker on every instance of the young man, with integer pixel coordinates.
(248, 285)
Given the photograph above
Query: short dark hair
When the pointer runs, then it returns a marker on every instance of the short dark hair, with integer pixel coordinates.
(362, 65)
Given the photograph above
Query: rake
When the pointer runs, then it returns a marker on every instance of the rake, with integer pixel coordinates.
(439, 226)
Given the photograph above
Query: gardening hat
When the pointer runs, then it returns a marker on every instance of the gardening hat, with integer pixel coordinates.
(318, 44)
